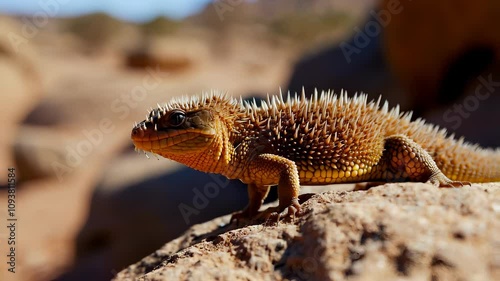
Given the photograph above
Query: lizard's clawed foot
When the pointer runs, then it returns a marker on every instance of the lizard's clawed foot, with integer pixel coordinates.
(269, 216)
(273, 215)
(243, 215)
(455, 184)
(439, 179)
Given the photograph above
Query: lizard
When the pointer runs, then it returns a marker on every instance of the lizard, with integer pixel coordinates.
(293, 140)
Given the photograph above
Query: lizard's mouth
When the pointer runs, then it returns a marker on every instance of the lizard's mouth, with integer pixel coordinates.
(147, 137)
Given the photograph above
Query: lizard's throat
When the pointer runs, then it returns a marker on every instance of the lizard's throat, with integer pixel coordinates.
(213, 159)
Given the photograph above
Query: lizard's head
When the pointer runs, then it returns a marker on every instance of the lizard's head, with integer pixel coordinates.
(184, 128)
(175, 131)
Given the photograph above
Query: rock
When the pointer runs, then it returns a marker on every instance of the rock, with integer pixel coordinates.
(438, 73)
(172, 55)
(99, 31)
(36, 149)
(333, 68)
(143, 59)
(409, 231)
(20, 86)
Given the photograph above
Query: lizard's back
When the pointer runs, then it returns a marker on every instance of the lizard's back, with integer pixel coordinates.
(334, 138)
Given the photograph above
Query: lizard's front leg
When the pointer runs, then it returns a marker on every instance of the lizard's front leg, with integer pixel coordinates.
(406, 160)
(256, 196)
(270, 169)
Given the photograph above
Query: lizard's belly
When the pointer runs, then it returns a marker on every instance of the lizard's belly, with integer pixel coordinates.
(325, 175)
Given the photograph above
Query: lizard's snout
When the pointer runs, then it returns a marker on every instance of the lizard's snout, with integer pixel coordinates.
(144, 131)
(137, 133)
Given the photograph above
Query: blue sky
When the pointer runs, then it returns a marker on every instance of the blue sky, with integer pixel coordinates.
(134, 10)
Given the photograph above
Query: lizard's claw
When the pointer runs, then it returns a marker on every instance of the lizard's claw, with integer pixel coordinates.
(455, 184)
(269, 216)
(243, 215)
(440, 180)
(274, 214)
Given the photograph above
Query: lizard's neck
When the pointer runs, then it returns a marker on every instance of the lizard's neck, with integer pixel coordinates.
(215, 158)
(218, 156)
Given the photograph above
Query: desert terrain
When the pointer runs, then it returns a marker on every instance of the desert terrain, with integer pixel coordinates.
(88, 206)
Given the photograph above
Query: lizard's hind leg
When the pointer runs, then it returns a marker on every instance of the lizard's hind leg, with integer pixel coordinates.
(408, 161)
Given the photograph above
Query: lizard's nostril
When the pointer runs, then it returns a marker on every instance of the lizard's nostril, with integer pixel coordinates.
(137, 132)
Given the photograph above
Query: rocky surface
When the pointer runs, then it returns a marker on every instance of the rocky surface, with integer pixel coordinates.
(403, 231)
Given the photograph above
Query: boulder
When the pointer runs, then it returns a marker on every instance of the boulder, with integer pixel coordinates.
(401, 231)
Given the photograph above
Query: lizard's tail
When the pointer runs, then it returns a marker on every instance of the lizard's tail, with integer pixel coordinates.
(457, 159)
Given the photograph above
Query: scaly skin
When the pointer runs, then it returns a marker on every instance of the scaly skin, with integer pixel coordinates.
(329, 139)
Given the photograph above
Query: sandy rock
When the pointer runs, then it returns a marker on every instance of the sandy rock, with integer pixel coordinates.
(173, 55)
(404, 231)
(35, 150)
(20, 85)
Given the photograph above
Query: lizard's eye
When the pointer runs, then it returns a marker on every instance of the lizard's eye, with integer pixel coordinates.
(176, 118)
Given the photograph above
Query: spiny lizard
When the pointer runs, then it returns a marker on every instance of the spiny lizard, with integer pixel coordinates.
(327, 139)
